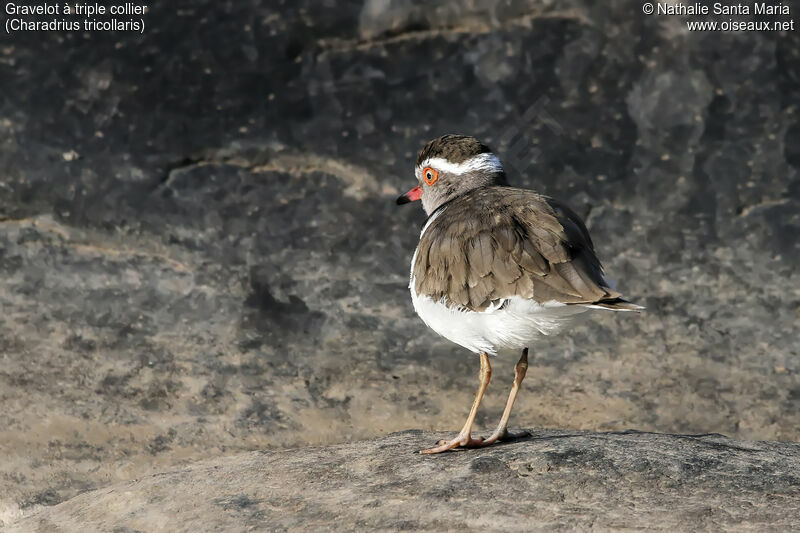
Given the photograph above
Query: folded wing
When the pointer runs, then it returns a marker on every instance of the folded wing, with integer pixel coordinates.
(496, 243)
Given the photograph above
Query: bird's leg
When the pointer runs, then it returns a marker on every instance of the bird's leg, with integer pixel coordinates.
(464, 437)
(519, 374)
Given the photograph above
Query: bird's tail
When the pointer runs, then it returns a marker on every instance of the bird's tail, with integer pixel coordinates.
(616, 304)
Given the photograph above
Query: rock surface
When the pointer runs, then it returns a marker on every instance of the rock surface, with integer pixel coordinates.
(549, 481)
(200, 253)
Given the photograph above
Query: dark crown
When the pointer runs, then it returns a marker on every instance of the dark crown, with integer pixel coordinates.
(453, 148)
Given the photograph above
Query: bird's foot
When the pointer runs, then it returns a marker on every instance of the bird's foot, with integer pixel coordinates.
(467, 441)
(504, 435)
(461, 441)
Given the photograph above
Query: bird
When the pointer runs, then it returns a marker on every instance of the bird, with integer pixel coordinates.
(496, 267)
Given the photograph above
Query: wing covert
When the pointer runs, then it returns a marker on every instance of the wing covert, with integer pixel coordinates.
(499, 242)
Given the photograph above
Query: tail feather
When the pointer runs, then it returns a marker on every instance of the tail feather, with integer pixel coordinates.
(616, 304)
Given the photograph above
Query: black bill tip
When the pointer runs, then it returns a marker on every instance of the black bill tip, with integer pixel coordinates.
(403, 199)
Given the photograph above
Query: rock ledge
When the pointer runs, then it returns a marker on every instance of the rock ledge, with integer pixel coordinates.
(551, 479)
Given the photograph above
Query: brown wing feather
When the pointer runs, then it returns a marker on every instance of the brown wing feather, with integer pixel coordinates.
(498, 242)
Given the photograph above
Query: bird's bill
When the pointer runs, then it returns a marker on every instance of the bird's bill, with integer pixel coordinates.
(411, 196)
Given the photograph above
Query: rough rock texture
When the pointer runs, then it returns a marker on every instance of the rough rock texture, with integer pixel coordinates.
(200, 254)
(550, 481)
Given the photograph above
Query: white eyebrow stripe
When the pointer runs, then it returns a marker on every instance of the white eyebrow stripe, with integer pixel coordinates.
(485, 162)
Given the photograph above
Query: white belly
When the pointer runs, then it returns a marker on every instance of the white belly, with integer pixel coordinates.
(514, 325)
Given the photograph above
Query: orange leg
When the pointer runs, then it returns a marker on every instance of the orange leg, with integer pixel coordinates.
(519, 374)
(464, 437)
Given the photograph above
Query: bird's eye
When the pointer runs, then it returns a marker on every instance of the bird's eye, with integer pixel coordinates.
(430, 175)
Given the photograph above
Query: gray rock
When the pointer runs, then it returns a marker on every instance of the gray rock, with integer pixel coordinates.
(550, 480)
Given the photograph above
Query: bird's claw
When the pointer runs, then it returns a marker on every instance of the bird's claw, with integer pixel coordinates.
(467, 441)
(461, 441)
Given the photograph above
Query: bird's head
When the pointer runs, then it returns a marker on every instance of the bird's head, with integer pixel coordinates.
(450, 166)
